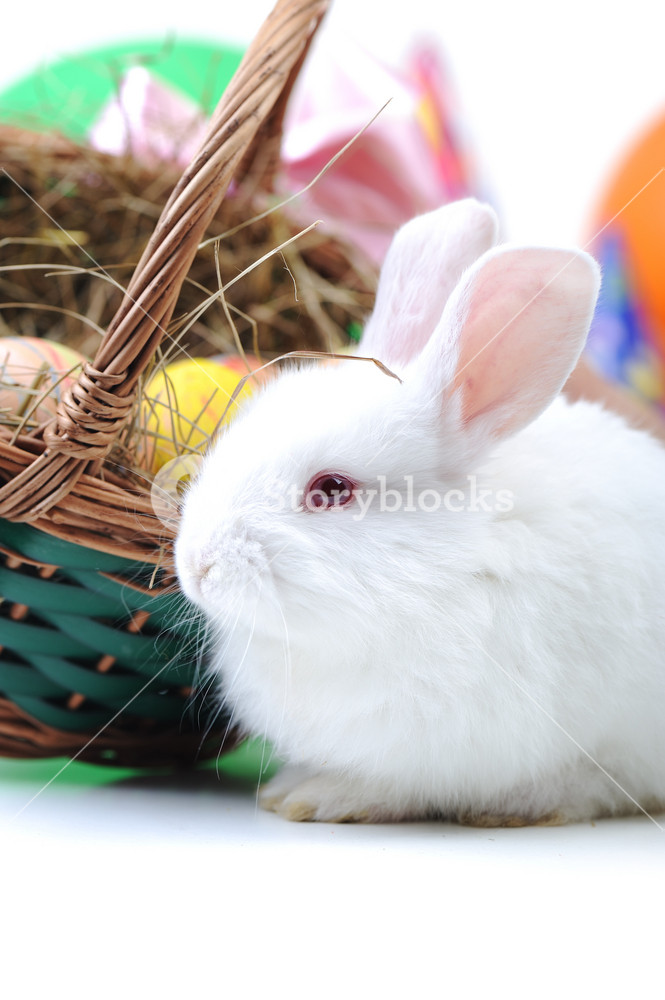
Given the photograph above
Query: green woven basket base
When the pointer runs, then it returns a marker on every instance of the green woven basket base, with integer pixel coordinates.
(71, 641)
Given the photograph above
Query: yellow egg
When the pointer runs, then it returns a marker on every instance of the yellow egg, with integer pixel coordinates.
(32, 368)
(182, 407)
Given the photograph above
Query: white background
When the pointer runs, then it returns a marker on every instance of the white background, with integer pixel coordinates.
(182, 888)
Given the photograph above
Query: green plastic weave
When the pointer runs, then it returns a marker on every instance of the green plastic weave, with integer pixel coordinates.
(84, 640)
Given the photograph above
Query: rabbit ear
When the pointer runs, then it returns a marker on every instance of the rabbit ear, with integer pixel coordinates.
(512, 333)
(422, 267)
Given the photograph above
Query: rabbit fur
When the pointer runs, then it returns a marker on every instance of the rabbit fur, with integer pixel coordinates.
(498, 658)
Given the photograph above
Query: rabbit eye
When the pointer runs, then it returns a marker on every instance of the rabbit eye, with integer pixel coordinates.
(329, 490)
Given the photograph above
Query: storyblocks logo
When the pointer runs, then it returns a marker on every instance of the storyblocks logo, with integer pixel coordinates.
(400, 497)
(408, 499)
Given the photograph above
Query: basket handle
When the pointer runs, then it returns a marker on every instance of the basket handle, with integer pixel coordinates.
(92, 413)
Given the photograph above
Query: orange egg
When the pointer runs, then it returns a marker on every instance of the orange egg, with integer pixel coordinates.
(33, 375)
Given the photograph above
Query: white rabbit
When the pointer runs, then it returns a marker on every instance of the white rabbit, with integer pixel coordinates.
(443, 594)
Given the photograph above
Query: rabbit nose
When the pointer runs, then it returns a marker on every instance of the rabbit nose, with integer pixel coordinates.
(190, 578)
(193, 564)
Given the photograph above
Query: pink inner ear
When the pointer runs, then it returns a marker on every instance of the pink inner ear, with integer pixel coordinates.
(522, 318)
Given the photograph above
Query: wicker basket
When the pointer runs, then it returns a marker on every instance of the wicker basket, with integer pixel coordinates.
(93, 662)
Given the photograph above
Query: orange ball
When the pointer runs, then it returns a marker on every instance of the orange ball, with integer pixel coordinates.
(633, 208)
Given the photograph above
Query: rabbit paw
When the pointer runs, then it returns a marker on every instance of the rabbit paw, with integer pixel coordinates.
(301, 796)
